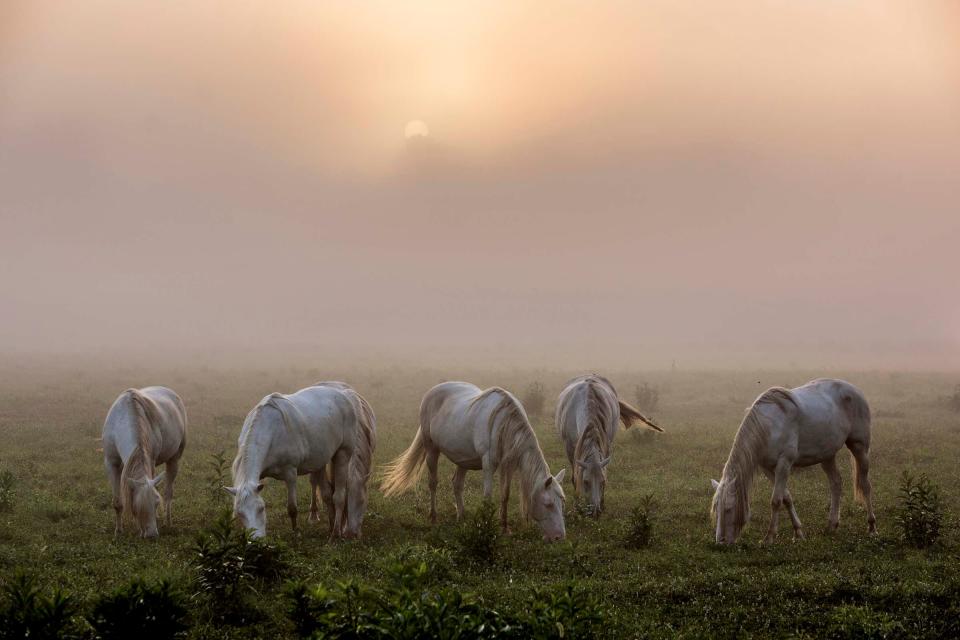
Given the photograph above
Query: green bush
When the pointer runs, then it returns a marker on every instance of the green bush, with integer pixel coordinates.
(640, 525)
(920, 511)
(229, 563)
(217, 468)
(140, 611)
(27, 613)
(405, 609)
(7, 482)
(438, 561)
(478, 536)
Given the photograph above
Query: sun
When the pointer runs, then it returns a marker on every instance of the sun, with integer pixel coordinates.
(416, 129)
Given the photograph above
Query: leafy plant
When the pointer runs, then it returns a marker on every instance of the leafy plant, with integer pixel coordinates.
(217, 468)
(27, 613)
(139, 610)
(535, 399)
(920, 513)
(640, 525)
(478, 537)
(647, 396)
(229, 562)
(571, 613)
(954, 400)
(7, 482)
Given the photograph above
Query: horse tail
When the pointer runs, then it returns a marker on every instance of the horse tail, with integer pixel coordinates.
(858, 412)
(629, 414)
(405, 470)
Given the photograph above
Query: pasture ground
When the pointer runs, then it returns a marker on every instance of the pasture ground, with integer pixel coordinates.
(841, 585)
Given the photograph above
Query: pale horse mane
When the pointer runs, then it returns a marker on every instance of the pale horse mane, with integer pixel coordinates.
(240, 468)
(593, 438)
(362, 460)
(140, 462)
(741, 465)
(517, 448)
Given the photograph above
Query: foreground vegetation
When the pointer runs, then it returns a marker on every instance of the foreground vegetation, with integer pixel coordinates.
(647, 568)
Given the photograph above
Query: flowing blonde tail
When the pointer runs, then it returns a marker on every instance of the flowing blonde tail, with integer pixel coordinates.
(628, 414)
(404, 472)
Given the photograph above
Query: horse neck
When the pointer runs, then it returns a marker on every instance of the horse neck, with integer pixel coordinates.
(252, 452)
(521, 453)
(140, 462)
(741, 465)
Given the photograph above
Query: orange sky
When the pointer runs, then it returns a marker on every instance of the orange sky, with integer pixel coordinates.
(752, 182)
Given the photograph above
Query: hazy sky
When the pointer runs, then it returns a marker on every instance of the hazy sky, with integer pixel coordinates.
(747, 182)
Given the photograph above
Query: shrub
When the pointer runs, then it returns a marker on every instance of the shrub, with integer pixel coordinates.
(478, 536)
(7, 482)
(217, 467)
(140, 611)
(405, 609)
(438, 561)
(647, 396)
(27, 613)
(535, 399)
(229, 562)
(920, 511)
(640, 525)
(571, 613)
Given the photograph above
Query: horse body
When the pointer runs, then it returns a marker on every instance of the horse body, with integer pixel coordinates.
(587, 418)
(795, 428)
(481, 430)
(143, 429)
(289, 435)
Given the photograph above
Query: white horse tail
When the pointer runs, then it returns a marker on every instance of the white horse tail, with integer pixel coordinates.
(858, 412)
(404, 472)
(628, 415)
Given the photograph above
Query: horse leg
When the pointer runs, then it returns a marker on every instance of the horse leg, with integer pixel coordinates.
(780, 475)
(459, 478)
(833, 477)
(113, 475)
(861, 456)
(325, 486)
(341, 470)
(794, 518)
(433, 456)
(504, 499)
(291, 480)
(171, 468)
(487, 476)
(314, 495)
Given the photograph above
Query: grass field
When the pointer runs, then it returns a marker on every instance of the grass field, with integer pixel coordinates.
(682, 585)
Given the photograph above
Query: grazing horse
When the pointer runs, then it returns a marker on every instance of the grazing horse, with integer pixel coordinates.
(359, 472)
(481, 430)
(588, 416)
(289, 435)
(788, 428)
(144, 428)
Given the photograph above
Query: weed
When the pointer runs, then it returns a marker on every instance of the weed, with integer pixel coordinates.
(535, 400)
(920, 512)
(139, 610)
(27, 613)
(640, 525)
(478, 536)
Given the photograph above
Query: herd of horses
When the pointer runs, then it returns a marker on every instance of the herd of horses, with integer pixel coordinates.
(328, 431)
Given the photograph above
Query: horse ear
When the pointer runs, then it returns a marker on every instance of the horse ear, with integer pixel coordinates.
(604, 463)
(157, 480)
(230, 490)
(559, 476)
(259, 487)
(714, 484)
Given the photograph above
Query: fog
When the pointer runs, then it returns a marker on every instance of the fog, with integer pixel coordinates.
(747, 184)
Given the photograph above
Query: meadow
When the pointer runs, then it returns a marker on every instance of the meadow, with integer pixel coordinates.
(59, 523)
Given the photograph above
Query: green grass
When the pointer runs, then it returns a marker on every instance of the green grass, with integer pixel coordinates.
(60, 523)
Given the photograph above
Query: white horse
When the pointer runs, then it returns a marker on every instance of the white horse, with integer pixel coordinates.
(289, 435)
(588, 416)
(358, 474)
(481, 430)
(788, 428)
(144, 428)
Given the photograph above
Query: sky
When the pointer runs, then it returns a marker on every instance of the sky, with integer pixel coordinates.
(746, 183)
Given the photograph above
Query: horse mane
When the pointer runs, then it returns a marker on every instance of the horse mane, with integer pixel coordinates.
(594, 433)
(239, 469)
(362, 459)
(140, 462)
(516, 448)
(741, 465)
